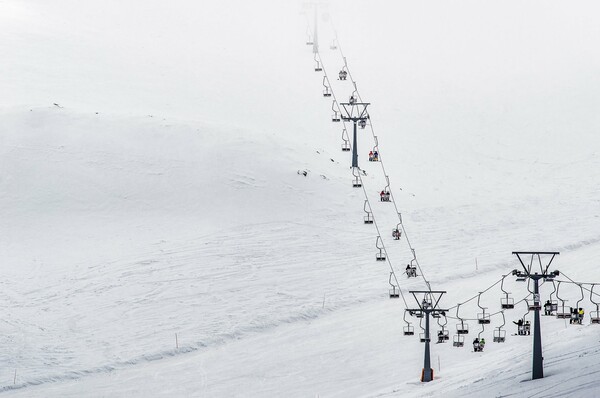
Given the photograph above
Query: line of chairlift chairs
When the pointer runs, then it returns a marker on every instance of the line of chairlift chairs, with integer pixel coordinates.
(574, 314)
(551, 308)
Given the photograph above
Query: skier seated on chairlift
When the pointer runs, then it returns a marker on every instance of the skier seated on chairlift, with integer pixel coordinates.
(440, 336)
(343, 75)
(381, 195)
(396, 234)
(574, 315)
(520, 327)
(548, 308)
(580, 315)
(376, 156)
(371, 156)
(352, 99)
(476, 345)
(481, 344)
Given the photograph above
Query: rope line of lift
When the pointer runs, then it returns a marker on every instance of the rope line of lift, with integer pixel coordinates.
(376, 141)
(336, 104)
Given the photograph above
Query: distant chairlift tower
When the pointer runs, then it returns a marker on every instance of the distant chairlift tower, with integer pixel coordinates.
(428, 301)
(355, 112)
(538, 360)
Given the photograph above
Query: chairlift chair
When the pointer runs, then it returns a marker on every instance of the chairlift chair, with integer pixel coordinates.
(346, 141)
(380, 256)
(368, 219)
(462, 327)
(594, 315)
(507, 302)
(483, 318)
(499, 333)
(395, 290)
(443, 334)
(533, 305)
(562, 312)
(576, 317)
(396, 233)
(362, 123)
(423, 338)
(318, 67)
(458, 341)
(333, 45)
(407, 330)
(336, 114)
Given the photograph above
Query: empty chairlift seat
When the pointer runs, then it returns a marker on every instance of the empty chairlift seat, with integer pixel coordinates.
(483, 318)
(458, 341)
(499, 336)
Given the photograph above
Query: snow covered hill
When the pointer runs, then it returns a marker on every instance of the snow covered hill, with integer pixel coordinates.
(159, 238)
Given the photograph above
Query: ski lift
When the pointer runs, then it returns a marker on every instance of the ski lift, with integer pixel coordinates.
(379, 245)
(346, 143)
(594, 315)
(499, 334)
(336, 114)
(411, 268)
(483, 318)
(368, 219)
(524, 329)
(462, 327)
(551, 305)
(385, 194)
(395, 290)
(362, 123)
(507, 302)
(343, 75)
(374, 155)
(407, 330)
(327, 90)
(309, 41)
(356, 182)
(397, 233)
(458, 341)
(562, 313)
(318, 67)
(443, 334)
(576, 317)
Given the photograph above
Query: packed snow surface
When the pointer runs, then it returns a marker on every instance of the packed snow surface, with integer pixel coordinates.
(159, 236)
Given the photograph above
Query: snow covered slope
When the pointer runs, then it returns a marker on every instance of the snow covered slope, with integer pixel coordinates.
(158, 240)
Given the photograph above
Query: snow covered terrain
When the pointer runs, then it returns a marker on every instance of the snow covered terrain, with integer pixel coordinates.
(158, 237)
